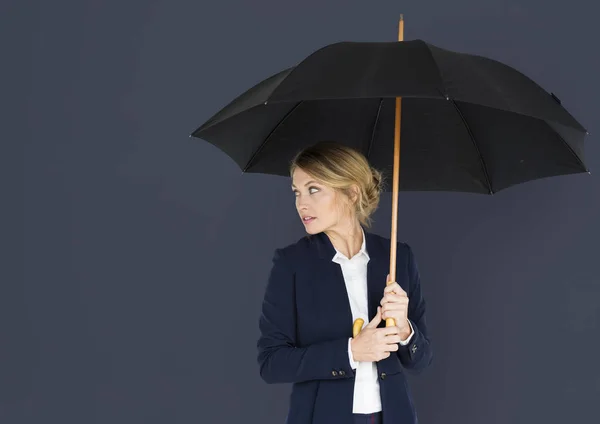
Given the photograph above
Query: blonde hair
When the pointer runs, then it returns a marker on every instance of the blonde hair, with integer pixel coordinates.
(340, 167)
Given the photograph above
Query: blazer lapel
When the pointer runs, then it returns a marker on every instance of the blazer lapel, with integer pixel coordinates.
(377, 269)
(334, 287)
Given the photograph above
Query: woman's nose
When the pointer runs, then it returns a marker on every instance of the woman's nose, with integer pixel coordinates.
(300, 205)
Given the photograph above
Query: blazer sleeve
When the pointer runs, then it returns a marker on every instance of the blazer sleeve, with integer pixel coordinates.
(417, 354)
(280, 358)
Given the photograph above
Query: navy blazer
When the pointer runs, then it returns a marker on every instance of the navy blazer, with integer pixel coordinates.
(306, 321)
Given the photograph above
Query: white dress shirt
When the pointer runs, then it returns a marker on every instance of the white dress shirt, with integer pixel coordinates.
(366, 385)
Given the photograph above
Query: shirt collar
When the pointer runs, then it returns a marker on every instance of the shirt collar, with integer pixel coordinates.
(362, 252)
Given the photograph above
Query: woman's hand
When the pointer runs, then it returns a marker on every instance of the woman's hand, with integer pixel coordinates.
(394, 305)
(373, 344)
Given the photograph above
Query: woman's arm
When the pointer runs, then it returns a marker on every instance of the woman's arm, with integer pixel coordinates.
(279, 357)
(417, 354)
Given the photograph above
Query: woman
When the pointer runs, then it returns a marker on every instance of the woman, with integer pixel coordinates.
(321, 284)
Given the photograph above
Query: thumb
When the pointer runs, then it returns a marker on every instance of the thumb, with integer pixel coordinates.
(376, 319)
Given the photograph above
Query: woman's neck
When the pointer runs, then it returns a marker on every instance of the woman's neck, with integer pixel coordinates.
(348, 240)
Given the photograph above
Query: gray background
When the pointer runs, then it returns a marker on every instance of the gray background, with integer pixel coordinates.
(146, 253)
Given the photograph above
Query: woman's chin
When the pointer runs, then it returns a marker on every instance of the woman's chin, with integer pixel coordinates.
(312, 229)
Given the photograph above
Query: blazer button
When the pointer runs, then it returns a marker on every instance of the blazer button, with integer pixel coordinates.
(342, 372)
(334, 373)
(382, 375)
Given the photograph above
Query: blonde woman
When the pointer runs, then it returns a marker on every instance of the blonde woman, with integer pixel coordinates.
(319, 285)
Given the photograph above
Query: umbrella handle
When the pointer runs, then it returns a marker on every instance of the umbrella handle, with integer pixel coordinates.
(358, 323)
(356, 327)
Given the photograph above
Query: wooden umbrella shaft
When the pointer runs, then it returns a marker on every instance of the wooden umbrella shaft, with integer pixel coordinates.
(395, 182)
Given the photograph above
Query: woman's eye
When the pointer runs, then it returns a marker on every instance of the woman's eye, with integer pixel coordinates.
(310, 191)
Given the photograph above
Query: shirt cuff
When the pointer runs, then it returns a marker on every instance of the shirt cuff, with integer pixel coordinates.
(353, 363)
(412, 333)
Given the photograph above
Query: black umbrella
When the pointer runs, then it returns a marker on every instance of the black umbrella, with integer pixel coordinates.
(469, 123)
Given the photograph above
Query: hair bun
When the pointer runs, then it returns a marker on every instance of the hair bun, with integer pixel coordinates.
(377, 180)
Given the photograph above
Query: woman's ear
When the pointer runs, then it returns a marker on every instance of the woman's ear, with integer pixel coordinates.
(354, 190)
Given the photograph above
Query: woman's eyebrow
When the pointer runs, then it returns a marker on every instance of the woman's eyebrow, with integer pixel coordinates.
(311, 181)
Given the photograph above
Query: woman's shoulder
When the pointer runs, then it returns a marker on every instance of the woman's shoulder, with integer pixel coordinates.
(385, 243)
(296, 249)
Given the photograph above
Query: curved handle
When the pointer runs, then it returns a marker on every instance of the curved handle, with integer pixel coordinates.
(358, 323)
(357, 326)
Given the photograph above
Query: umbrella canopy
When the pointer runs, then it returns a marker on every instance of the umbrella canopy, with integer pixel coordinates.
(469, 123)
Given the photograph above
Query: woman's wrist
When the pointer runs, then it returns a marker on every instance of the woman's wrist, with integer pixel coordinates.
(352, 351)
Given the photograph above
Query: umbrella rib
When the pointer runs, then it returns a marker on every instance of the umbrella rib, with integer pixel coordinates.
(568, 146)
(464, 121)
(374, 128)
(269, 136)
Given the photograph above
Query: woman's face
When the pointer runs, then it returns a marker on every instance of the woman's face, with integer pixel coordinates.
(316, 201)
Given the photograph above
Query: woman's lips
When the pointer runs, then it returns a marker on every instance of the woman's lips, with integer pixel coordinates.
(308, 221)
